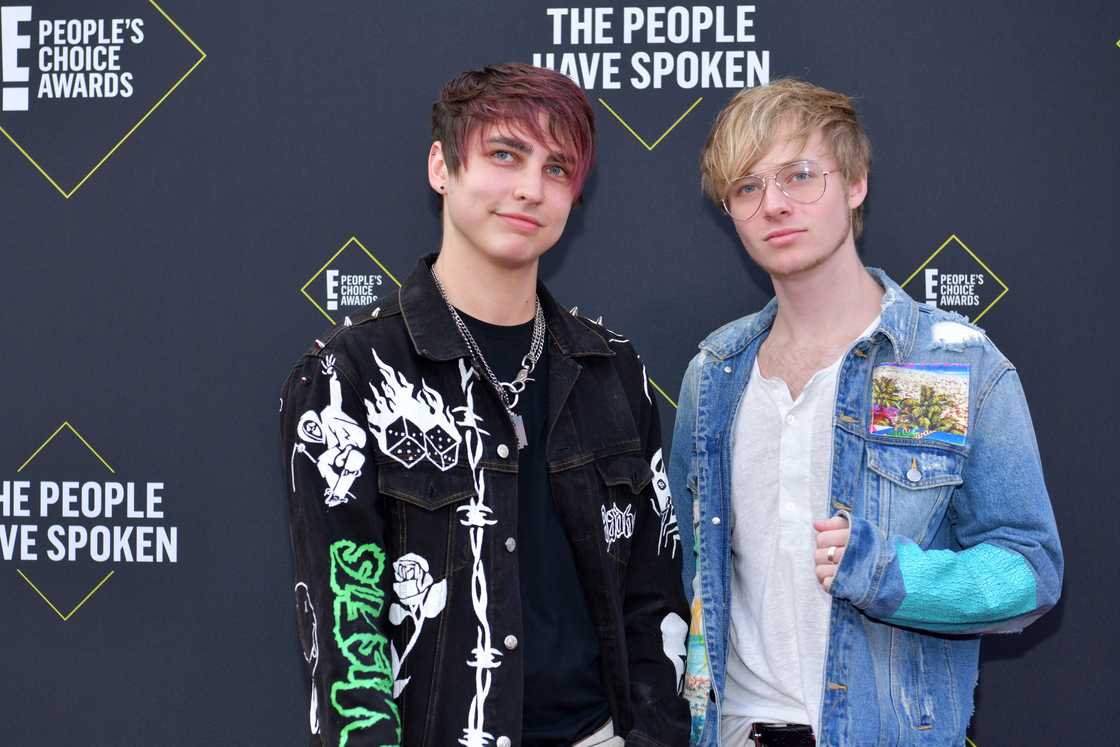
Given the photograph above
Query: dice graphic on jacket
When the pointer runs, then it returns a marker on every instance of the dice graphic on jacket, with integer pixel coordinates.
(405, 441)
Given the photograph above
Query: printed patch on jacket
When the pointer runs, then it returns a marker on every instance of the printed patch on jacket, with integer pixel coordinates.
(340, 460)
(617, 523)
(663, 504)
(411, 423)
(921, 401)
(697, 676)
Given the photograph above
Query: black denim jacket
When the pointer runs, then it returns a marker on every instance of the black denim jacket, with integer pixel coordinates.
(401, 465)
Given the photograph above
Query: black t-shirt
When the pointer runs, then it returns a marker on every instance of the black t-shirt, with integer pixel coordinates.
(564, 695)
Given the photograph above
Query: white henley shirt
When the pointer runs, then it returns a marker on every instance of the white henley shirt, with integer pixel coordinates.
(780, 470)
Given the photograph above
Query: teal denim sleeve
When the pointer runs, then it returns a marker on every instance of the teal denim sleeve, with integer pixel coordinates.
(1008, 570)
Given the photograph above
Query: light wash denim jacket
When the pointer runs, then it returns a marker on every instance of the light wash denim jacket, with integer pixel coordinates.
(952, 534)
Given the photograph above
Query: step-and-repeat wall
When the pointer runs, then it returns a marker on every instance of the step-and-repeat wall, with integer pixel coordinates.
(191, 192)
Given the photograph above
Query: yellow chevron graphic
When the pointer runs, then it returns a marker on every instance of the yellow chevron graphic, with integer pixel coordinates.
(642, 140)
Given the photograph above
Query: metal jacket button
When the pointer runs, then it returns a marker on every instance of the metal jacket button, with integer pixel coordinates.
(511, 544)
(715, 520)
(511, 642)
(503, 742)
(913, 474)
(503, 451)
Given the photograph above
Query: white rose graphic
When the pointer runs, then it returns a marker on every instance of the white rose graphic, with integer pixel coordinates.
(420, 599)
(411, 578)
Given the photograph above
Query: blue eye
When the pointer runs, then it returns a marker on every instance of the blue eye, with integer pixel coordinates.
(748, 189)
(502, 155)
(557, 171)
(800, 174)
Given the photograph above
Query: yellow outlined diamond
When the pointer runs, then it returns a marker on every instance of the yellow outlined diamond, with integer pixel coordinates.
(663, 135)
(94, 590)
(352, 240)
(952, 238)
(127, 135)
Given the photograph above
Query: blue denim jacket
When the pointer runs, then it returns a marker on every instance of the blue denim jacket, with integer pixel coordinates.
(952, 534)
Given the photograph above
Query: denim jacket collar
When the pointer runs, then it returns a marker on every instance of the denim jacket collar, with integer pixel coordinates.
(899, 315)
(898, 322)
(435, 336)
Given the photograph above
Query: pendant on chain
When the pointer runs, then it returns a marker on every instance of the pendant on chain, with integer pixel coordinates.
(519, 430)
(504, 390)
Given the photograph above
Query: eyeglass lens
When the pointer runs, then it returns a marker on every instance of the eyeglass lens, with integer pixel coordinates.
(802, 182)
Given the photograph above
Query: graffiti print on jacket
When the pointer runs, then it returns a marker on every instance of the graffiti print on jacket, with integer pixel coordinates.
(309, 642)
(340, 462)
(358, 602)
(483, 658)
(419, 599)
(411, 424)
(670, 536)
(617, 523)
(674, 635)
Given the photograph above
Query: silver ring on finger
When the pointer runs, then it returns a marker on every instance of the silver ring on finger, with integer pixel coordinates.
(832, 554)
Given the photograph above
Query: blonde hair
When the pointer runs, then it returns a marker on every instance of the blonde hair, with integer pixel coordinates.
(790, 109)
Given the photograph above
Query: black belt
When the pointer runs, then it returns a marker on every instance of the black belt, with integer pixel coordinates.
(777, 735)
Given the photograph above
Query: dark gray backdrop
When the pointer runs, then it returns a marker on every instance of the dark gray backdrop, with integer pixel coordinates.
(157, 309)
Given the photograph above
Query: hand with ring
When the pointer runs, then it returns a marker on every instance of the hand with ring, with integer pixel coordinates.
(832, 539)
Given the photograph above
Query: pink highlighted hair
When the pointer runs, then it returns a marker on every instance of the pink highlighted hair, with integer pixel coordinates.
(516, 95)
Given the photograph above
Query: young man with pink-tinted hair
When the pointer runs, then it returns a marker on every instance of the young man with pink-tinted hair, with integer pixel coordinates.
(485, 547)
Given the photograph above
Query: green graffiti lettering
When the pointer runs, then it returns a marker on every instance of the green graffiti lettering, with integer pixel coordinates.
(358, 601)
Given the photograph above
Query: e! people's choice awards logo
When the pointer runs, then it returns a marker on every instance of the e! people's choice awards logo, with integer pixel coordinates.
(955, 278)
(79, 78)
(659, 48)
(351, 279)
(67, 518)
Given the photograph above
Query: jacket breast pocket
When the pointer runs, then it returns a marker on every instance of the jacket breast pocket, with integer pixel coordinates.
(910, 484)
(423, 504)
(622, 478)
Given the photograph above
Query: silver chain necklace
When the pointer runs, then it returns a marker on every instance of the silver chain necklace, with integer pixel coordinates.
(508, 392)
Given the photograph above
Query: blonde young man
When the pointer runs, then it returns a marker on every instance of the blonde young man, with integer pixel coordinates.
(861, 469)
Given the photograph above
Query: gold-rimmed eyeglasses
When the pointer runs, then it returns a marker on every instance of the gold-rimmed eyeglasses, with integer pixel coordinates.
(801, 181)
